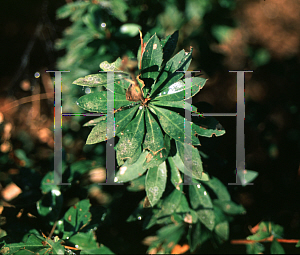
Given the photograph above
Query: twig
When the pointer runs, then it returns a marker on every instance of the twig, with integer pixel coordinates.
(52, 230)
(269, 239)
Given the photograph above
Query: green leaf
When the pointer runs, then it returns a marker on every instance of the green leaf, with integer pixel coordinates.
(68, 9)
(172, 71)
(219, 189)
(100, 79)
(298, 244)
(119, 8)
(50, 204)
(154, 140)
(170, 203)
(262, 233)
(222, 230)
(176, 91)
(137, 184)
(97, 102)
(175, 104)
(175, 174)
(152, 58)
(76, 217)
(130, 29)
(172, 123)
(192, 162)
(202, 204)
(169, 45)
(122, 118)
(247, 176)
(276, 248)
(194, 236)
(145, 40)
(105, 66)
(229, 207)
(156, 180)
(131, 172)
(132, 137)
(207, 126)
(155, 159)
(95, 121)
(179, 164)
(87, 244)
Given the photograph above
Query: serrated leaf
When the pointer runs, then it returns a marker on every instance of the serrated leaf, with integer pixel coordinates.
(131, 172)
(154, 137)
(156, 180)
(122, 118)
(219, 189)
(97, 102)
(192, 161)
(132, 137)
(152, 58)
(229, 207)
(276, 248)
(176, 91)
(172, 123)
(207, 126)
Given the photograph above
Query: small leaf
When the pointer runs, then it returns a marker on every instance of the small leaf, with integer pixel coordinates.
(105, 66)
(130, 29)
(229, 207)
(156, 179)
(175, 174)
(219, 188)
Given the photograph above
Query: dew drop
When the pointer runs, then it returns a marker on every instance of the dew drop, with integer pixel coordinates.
(198, 186)
(76, 245)
(205, 193)
(139, 218)
(103, 24)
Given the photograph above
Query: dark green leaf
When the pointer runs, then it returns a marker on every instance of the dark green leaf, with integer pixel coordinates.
(176, 91)
(137, 184)
(219, 188)
(132, 137)
(154, 137)
(194, 236)
(175, 104)
(156, 180)
(169, 45)
(276, 248)
(207, 126)
(152, 58)
(122, 118)
(172, 123)
(175, 174)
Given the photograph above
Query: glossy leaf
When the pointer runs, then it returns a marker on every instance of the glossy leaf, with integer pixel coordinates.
(191, 161)
(152, 58)
(97, 102)
(154, 137)
(176, 91)
(172, 123)
(156, 180)
(131, 172)
(172, 71)
(132, 137)
(122, 118)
